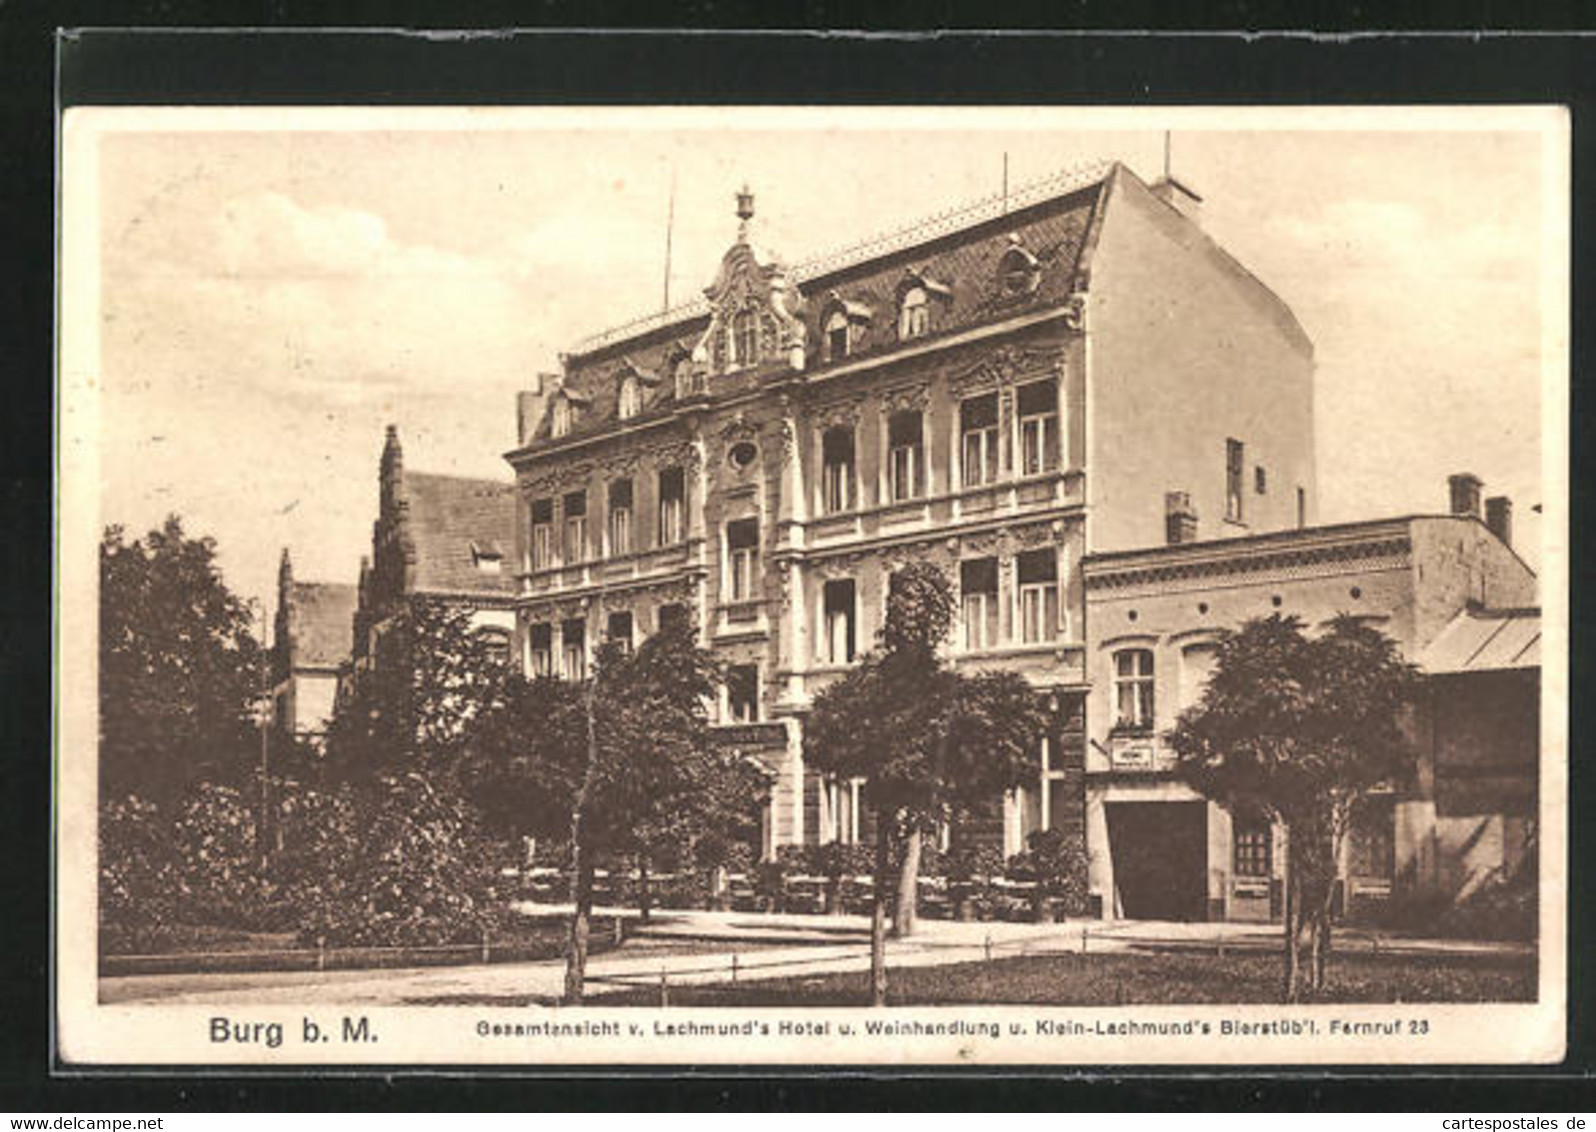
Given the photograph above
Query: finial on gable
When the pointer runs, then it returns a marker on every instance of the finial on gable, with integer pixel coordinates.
(745, 210)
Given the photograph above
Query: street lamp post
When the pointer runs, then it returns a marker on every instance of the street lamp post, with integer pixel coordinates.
(262, 839)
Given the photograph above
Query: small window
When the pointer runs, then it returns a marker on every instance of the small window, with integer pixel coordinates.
(837, 335)
(575, 548)
(672, 615)
(630, 401)
(840, 637)
(745, 337)
(573, 648)
(742, 693)
(1038, 579)
(621, 517)
(742, 552)
(1018, 272)
(1235, 460)
(672, 506)
(1252, 845)
(978, 602)
(1302, 508)
(914, 314)
(1260, 481)
(540, 646)
(542, 534)
(1133, 689)
(560, 424)
(742, 455)
(1039, 439)
(837, 469)
(978, 449)
(904, 455)
(618, 628)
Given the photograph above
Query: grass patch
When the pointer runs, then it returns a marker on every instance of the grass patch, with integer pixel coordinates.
(1118, 980)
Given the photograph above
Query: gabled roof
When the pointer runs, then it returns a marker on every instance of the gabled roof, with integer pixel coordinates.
(452, 518)
(1485, 640)
(320, 621)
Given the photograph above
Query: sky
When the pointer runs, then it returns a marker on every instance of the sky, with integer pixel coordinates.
(273, 292)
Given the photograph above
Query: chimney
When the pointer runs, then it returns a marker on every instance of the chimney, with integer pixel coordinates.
(1499, 518)
(1180, 518)
(1179, 196)
(529, 404)
(1465, 491)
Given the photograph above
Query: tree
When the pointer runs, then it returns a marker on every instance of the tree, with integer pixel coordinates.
(924, 738)
(1300, 730)
(180, 671)
(606, 762)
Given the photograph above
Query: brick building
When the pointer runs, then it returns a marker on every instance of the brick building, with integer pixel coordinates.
(443, 538)
(310, 645)
(1001, 390)
(1452, 593)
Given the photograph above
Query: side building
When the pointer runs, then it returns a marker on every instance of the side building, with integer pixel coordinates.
(1452, 593)
(310, 646)
(439, 538)
(1000, 390)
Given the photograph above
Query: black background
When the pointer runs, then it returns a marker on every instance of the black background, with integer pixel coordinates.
(209, 65)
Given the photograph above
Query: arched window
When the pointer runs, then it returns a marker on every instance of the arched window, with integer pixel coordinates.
(1018, 272)
(745, 337)
(914, 314)
(630, 402)
(836, 332)
(561, 423)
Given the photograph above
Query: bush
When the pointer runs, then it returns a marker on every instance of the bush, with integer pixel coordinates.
(220, 881)
(1055, 862)
(137, 876)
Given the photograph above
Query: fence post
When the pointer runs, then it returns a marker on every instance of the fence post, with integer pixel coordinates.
(1084, 931)
(620, 936)
(321, 953)
(484, 945)
(988, 947)
(734, 966)
(664, 989)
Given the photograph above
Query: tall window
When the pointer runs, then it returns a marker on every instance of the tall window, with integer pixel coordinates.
(1251, 845)
(978, 602)
(575, 549)
(839, 621)
(621, 517)
(541, 648)
(672, 497)
(903, 455)
(672, 614)
(837, 469)
(742, 553)
(1038, 578)
(836, 332)
(978, 449)
(542, 534)
(682, 378)
(1372, 847)
(742, 693)
(1133, 688)
(560, 423)
(630, 402)
(914, 315)
(573, 648)
(618, 628)
(745, 337)
(1039, 437)
(844, 800)
(1235, 458)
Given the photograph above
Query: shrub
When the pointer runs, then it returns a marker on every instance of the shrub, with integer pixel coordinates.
(137, 876)
(1055, 862)
(217, 860)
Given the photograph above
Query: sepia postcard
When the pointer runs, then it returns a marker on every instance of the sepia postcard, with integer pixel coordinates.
(558, 586)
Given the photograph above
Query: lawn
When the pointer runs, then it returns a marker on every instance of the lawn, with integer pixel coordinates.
(1113, 980)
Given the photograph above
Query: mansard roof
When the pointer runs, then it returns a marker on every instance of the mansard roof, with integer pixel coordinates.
(451, 519)
(320, 622)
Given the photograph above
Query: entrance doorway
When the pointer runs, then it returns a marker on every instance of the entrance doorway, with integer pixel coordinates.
(1160, 854)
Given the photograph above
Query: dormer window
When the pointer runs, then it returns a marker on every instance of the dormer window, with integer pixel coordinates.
(682, 377)
(489, 559)
(836, 330)
(560, 425)
(1019, 273)
(745, 337)
(631, 401)
(914, 313)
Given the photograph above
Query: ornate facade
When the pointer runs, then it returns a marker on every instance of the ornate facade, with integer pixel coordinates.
(973, 391)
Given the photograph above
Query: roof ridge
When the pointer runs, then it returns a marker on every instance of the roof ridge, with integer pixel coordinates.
(482, 480)
(1061, 183)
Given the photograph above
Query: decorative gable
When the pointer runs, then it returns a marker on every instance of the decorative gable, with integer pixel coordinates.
(754, 308)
